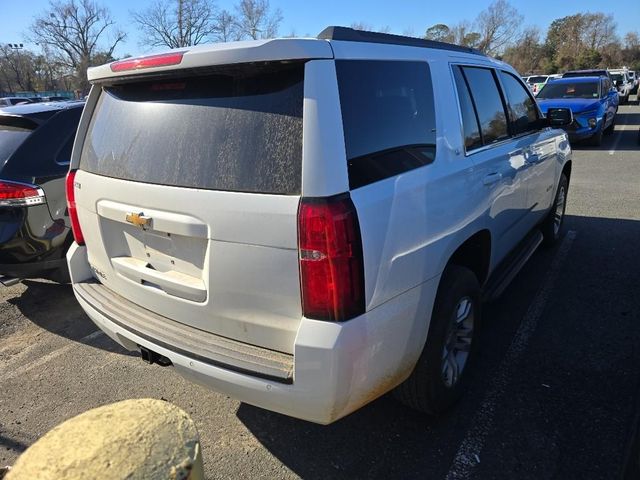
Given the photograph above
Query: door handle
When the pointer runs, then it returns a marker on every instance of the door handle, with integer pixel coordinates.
(492, 178)
(532, 158)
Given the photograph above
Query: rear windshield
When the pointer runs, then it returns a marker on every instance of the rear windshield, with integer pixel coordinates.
(539, 79)
(570, 90)
(586, 73)
(237, 129)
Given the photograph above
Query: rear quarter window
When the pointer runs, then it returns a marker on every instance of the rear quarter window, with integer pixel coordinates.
(388, 117)
(10, 139)
(238, 129)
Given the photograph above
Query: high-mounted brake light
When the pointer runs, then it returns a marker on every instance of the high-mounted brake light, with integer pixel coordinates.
(15, 194)
(331, 260)
(71, 206)
(161, 60)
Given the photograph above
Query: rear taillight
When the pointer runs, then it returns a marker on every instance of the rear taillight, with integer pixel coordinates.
(71, 205)
(331, 261)
(14, 194)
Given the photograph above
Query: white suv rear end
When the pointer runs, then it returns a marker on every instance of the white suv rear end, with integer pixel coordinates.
(255, 214)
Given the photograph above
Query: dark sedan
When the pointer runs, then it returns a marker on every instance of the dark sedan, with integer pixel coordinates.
(35, 149)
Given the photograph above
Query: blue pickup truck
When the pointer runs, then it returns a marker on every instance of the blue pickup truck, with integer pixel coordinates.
(593, 101)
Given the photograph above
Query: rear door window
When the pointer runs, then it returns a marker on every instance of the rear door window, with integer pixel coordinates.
(238, 128)
(488, 103)
(388, 117)
(522, 107)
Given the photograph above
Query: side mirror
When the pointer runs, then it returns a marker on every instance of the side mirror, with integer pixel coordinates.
(559, 117)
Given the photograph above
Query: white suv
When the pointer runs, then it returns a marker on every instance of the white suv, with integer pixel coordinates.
(306, 224)
(623, 84)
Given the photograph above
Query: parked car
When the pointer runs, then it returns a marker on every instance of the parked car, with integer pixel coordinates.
(310, 276)
(10, 101)
(592, 100)
(594, 72)
(623, 85)
(537, 82)
(633, 78)
(35, 149)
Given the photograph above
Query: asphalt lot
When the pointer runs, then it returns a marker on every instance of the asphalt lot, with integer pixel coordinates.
(554, 395)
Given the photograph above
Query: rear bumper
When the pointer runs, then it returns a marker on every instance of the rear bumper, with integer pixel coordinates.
(337, 367)
(31, 243)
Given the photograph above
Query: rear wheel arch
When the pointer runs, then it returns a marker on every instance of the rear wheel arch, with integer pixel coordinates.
(474, 254)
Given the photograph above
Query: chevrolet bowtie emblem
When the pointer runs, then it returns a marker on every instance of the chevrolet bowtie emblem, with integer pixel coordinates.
(138, 219)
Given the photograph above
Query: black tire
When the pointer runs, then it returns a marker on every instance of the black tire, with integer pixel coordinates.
(609, 130)
(551, 231)
(426, 389)
(60, 275)
(596, 139)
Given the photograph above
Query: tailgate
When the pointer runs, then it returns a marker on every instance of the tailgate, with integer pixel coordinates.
(187, 195)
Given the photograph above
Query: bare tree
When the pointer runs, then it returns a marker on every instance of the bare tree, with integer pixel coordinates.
(464, 34)
(583, 40)
(225, 27)
(632, 40)
(362, 26)
(599, 30)
(409, 32)
(254, 19)
(18, 68)
(527, 54)
(498, 27)
(73, 31)
(176, 23)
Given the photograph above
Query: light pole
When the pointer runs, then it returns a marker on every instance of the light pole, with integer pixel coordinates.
(15, 46)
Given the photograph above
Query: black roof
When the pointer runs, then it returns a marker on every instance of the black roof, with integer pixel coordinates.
(601, 72)
(39, 112)
(346, 34)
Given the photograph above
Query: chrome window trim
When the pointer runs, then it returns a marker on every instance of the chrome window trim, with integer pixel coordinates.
(483, 148)
(468, 153)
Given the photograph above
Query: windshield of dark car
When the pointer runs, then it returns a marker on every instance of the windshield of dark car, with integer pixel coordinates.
(569, 90)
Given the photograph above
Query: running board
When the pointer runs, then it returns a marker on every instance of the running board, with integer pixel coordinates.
(505, 274)
(8, 281)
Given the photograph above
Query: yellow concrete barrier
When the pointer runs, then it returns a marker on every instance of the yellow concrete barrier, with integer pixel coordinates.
(133, 439)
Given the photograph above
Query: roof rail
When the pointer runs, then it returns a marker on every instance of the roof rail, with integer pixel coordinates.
(347, 34)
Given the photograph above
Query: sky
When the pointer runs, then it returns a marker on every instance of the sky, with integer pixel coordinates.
(307, 17)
